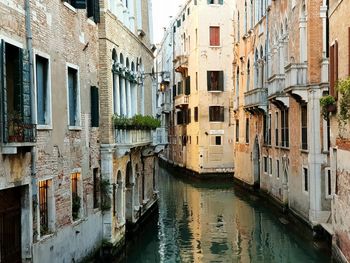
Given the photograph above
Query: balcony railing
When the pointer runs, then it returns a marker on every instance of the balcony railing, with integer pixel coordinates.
(181, 100)
(20, 132)
(255, 98)
(276, 84)
(132, 138)
(296, 75)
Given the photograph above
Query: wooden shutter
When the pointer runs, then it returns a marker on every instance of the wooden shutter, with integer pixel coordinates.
(93, 10)
(188, 86)
(208, 80)
(3, 93)
(221, 80)
(214, 32)
(188, 116)
(95, 109)
(331, 71)
(26, 87)
(79, 4)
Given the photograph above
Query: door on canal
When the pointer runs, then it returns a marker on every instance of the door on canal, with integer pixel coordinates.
(256, 163)
(10, 225)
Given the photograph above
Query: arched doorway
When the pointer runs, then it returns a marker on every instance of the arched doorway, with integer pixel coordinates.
(129, 193)
(256, 164)
(119, 198)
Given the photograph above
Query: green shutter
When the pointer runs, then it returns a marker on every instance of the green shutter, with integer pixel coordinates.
(208, 80)
(26, 90)
(95, 111)
(221, 80)
(79, 4)
(97, 11)
(3, 93)
(221, 2)
(188, 86)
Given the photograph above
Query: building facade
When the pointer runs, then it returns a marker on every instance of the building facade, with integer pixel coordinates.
(339, 125)
(127, 90)
(281, 72)
(49, 137)
(200, 132)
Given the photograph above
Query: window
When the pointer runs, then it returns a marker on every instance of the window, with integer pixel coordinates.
(43, 90)
(306, 179)
(285, 127)
(96, 187)
(265, 164)
(188, 85)
(269, 130)
(78, 4)
(178, 23)
(197, 140)
(304, 143)
(93, 10)
(276, 129)
(237, 82)
(16, 102)
(215, 2)
(188, 11)
(278, 168)
(179, 118)
(270, 166)
(216, 113)
(196, 80)
(196, 114)
(248, 75)
(183, 17)
(328, 182)
(76, 201)
(247, 130)
(174, 29)
(179, 88)
(217, 140)
(195, 2)
(214, 35)
(95, 109)
(44, 207)
(73, 97)
(237, 130)
(215, 80)
(265, 129)
(333, 69)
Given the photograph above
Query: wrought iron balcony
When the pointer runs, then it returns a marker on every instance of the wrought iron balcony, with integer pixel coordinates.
(255, 99)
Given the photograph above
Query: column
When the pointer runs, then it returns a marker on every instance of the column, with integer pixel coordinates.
(116, 94)
(128, 97)
(133, 99)
(303, 40)
(325, 63)
(122, 96)
(142, 98)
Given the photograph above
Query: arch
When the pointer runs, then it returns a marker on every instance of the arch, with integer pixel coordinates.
(119, 197)
(129, 193)
(127, 63)
(121, 58)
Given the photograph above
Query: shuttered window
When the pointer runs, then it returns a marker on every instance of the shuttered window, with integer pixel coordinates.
(42, 90)
(333, 72)
(216, 113)
(304, 144)
(73, 100)
(214, 36)
(95, 107)
(247, 130)
(188, 86)
(285, 127)
(215, 80)
(93, 10)
(196, 114)
(179, 88)
(78, 4)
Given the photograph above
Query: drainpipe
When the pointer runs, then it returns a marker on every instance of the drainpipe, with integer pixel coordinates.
(32, 191)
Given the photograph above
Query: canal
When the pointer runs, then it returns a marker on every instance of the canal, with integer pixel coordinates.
(218, 222)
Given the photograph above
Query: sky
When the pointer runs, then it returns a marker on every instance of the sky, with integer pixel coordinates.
(162, 12)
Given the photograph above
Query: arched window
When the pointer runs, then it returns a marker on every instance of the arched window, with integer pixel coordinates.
(114, 55)
(256, 69)
(127, 63)
(121, 58)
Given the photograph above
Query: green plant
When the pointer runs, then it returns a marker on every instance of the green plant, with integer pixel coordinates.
(105, 188)
(325, 102)
(343, 87)
(138, 122)
(76, 203)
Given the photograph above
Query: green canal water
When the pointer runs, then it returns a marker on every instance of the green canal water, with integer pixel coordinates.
(218, 222)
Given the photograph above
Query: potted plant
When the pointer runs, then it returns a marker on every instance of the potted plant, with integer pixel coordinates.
(343, 87)
(328, 105)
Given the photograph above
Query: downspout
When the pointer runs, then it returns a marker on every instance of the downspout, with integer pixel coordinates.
(29, 40)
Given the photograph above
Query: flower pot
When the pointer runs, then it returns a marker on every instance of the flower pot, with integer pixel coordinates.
(332, 108)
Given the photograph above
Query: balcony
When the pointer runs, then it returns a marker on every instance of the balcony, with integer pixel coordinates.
(127, 139)
(255, 100)
(276, 85)
(181, 101)
(181, 63)
(18, 134)
(166, 107)
(296, 80)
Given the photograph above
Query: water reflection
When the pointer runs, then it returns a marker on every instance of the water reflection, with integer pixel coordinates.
(202, 222)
